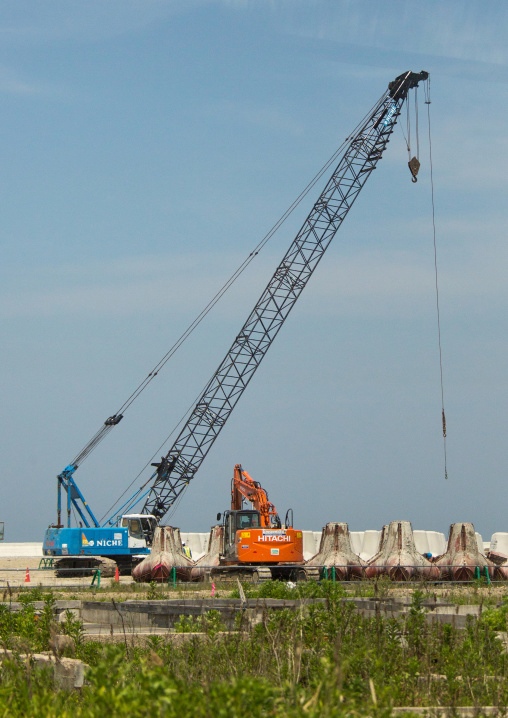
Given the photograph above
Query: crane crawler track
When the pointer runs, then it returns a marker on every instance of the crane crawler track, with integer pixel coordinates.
(82, 566)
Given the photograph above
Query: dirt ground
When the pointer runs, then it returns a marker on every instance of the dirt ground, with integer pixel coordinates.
(13, 574)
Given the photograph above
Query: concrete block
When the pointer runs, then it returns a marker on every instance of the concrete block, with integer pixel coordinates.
(69, 673)
(61, 616)
(437, 542)
(432, 542)
(479, 541)
(309, 545)
(317, 539)
(370, 544)
(499, 543)
(197, 542)
(21, 549)
(356, 538)
(421, 541)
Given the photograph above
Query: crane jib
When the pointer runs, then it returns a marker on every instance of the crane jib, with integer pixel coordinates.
(230, 380)
(391, 112)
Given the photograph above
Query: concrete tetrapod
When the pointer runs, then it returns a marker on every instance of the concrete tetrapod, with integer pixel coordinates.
(166, 553)
(382, 540)
(498, 553)
(203, 566)
(335, 552)
(463, 560)
(398, 557)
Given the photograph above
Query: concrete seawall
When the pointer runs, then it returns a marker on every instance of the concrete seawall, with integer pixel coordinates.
(12, 550)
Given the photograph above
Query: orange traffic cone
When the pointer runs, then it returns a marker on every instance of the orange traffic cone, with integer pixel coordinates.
(117, 574)
(27, 576)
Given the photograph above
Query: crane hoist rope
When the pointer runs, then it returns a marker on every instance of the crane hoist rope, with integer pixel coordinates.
(443, 416)
(413, 162)
(414, 166)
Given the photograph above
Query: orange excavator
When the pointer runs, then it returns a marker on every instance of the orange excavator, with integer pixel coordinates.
(255, 541)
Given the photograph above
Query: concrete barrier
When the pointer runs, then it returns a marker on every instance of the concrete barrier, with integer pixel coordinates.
(12, 550)
(479, 541)
(432, 542)
(437, 542)
(356, 538)
(364, 543)
(309, 545)
(197, 542)
(499, 543)
(370, 544)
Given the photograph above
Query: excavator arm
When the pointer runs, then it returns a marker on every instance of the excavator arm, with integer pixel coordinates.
(244, 487)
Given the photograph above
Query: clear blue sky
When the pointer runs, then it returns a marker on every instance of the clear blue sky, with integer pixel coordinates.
(146, 147)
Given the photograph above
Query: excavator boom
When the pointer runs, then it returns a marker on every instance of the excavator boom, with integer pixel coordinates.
(244, 487)
(255, 536)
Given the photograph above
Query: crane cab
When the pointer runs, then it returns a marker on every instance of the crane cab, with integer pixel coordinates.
(140, 529)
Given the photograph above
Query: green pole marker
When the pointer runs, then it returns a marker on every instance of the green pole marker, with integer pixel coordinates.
(172, 576)
(477, 572)
(333, 574)
(46, 563)
(487, 574)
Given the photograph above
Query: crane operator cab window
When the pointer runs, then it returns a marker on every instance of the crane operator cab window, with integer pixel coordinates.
(135, 529)
(140, 527)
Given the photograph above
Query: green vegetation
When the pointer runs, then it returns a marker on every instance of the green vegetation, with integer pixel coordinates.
(209, 623)
(322, 660)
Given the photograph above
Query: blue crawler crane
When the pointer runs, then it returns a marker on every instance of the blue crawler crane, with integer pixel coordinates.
(127, 536)
(120, 541)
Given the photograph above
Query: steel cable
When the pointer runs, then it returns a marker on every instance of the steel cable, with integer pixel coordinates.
(443, 417)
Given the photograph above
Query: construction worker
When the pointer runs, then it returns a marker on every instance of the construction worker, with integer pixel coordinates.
(186, 550)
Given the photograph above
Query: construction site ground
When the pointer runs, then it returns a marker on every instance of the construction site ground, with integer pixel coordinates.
(13, 576)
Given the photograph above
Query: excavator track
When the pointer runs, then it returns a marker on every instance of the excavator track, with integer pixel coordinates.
(76, 566)
(260, 575)
(309, 574)
(252, 574)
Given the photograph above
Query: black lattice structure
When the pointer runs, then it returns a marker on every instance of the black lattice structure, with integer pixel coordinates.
(227, 385)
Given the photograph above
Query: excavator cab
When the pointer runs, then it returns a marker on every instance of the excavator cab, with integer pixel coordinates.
(256, 536)
(238, 521)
